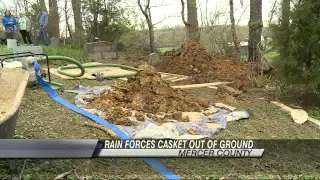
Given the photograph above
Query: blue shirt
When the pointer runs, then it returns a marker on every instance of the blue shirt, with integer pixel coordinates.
(43, 20)
(6, 20)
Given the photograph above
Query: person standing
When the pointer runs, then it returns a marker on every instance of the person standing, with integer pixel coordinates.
(25, 27)
(9, 23)
(43, 31)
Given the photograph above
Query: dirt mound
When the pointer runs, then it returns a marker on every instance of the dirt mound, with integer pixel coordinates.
(190, 59)
(193, 60)
(226, 68)
(146, 93)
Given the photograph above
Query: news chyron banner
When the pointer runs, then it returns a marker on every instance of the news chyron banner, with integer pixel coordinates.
(93, 148)
(179, 148)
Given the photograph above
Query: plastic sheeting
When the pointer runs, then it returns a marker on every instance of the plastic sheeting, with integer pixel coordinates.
(202, 126)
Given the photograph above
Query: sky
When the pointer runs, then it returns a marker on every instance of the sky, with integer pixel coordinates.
(168, 12)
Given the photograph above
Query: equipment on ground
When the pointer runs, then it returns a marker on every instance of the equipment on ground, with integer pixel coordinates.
(26, 60)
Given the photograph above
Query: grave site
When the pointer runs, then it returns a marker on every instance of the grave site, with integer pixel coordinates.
(187, 94)
(105, 82)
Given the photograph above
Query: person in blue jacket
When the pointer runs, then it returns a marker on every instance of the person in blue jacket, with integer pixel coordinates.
(9, 23)
(43, 31)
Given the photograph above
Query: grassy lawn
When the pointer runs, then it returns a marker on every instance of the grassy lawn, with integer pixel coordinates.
(165, 49)
(42, 117)
(69, 51)
(268, 56)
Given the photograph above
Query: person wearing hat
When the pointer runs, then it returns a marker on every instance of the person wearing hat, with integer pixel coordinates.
(9, 23)
(43, 22)
(25, 27)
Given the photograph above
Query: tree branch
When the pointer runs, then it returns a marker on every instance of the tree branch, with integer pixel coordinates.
(144, 11)
(182, 14)
(164, 20)
(245, 9)
(147, 6)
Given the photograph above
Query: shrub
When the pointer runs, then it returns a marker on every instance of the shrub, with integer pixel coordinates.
(302, 61)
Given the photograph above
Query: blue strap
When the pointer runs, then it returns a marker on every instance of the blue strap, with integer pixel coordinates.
(55, 96)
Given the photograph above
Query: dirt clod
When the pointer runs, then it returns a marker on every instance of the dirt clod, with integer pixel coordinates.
(146, 93)
(140, 116)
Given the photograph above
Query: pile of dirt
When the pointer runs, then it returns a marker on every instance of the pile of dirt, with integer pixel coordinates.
(133, 61)
(193, 60)
(146, 94)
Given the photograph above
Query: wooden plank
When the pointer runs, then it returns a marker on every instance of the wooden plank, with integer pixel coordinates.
(200, 85)
(315, 121)
(282, 106)
(180, 79)
(212, 87)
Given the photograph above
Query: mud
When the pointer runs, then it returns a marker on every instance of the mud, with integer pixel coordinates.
(147, 94)
(193, 60)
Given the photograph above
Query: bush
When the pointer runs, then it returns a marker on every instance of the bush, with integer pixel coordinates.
(135, 43)
(301, 63)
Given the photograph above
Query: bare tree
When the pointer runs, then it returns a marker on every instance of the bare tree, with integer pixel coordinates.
(271, 16)
(146, 11)
(255, 30)
(96, 8)
(66, 16)
(182, 14)
(26, 8)
(77, 16)
(233, 30)
(54, 19)
(285, 23)
(192, 26)
(16, 6)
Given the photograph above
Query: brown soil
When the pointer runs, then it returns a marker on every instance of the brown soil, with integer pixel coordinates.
(147, 94)
(133, 61)
(193, 60)
(8, 89)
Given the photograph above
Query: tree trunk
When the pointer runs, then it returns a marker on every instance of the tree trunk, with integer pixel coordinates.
(26, 9)
(77, 16)
(285, 25)
(193, 33)
(54, 19)
(151, 33)
(255, 30)
(233, 31)
(69, 30)
(147, 14)
(43, 5)
(152, 38)
(95, 18)
(66, 17)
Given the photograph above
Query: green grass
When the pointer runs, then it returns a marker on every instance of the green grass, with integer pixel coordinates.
(72, 52)
(268, 56)
(165, 49)
(271, 55)
(69, 51)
